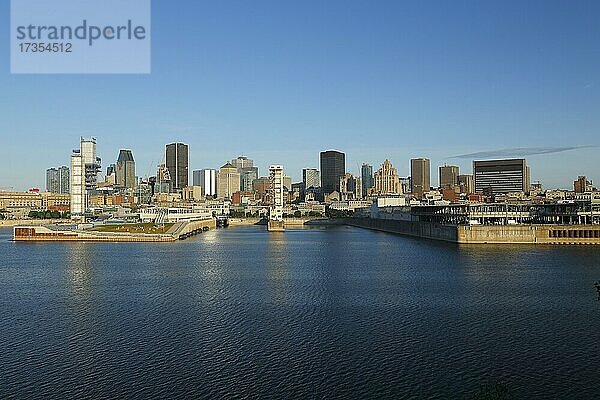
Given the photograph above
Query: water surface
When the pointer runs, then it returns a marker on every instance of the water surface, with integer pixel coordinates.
(337, 312)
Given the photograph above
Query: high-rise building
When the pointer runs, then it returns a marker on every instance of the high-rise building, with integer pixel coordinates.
(448, 176)
(248, 172)
(58, 180)
(420, 174)
(582, 185)
(466, 184)
(366, 173)
(333, 167)
(228, 181)
(277, 192)
(207, 180)
(177, 162)
(164, 183)
(501, 176)
(387, 180)
(125, 170)
(311, 178)
(242, 162)
(84, 175)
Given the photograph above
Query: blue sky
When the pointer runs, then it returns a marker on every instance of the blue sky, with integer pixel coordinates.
(280, 81)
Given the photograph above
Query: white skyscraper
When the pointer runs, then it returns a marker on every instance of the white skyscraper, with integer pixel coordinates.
(84, 175)
(277, 191)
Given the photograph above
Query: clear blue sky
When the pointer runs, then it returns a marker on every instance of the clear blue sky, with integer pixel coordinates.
(279, 81)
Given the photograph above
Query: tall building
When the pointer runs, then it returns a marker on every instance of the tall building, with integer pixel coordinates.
(58, 180)
(277, 192)
(466, 184)
(366, 173)
(420, 174)
(582, 185)
(248, 172)
(84, 176)
(387, 180)
(228, 181)
(242, 162)
(177, 162)
(311, 178)
(164, 183)
(125, 170)
(333, 167)
(448, 176)
(501, 176)
(207, 180)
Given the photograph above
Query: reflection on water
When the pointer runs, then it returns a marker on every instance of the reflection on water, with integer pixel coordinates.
(318, 313)
(276, 260)
(79, 269)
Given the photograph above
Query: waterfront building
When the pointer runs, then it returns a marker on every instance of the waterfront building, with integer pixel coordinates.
(277, 192)
(228, 181)
(387, 180)
(177, 162)
(420, 174)
(501, 176)
(448, 176)
(84, 175)
(11, 201)
(207, 180)
(366, 173)
(466, 184)
(125, 170)
(58, 180)
(333, 167)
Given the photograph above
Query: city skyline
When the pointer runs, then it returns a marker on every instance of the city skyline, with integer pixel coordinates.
(284, 81)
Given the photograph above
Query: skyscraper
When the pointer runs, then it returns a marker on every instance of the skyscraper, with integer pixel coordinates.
(248, 172)
(57, 180)
(501, 176)
(420, 173)
(207, 180)
(366, 173)
(277, 192)
(84, 175)
(311, 178)
(333, 167)
(228, 181)
(125, 170)
(387, 180)
(177, 162)
(448, 176)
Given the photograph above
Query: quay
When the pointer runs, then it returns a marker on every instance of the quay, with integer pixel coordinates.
(66, 233)
(553, 224)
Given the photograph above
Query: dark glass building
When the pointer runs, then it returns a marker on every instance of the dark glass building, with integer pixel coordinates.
(333, 167)
(501, 176)
(176, 155)
(368, 182)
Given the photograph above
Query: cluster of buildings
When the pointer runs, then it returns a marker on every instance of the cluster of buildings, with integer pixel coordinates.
(237, 187)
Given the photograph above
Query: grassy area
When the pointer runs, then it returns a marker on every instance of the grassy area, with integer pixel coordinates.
(134, 228)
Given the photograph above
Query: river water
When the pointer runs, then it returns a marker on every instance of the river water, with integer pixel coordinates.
(336, 312)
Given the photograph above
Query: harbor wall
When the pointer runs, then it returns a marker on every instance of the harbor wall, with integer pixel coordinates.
(427, 230)
(486, 234)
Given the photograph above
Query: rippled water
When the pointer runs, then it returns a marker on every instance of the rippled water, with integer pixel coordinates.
(316, 313)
